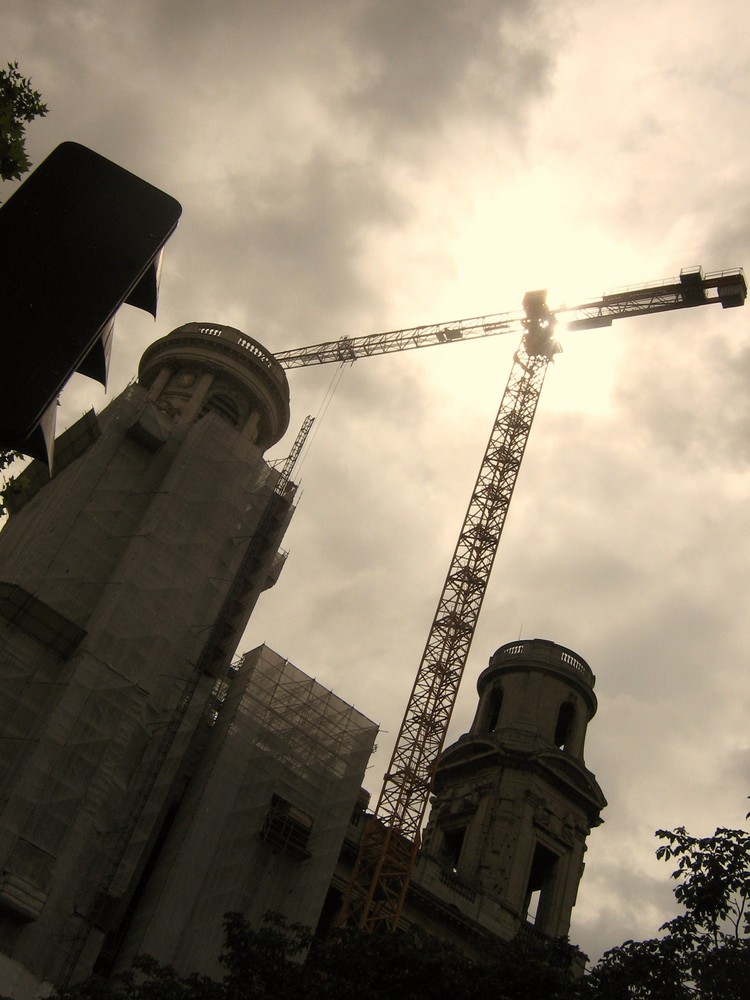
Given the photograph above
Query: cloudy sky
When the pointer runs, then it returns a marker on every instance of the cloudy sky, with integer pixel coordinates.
(352, 167)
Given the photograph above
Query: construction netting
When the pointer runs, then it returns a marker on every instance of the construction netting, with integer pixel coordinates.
(301, 723)
(262, 824)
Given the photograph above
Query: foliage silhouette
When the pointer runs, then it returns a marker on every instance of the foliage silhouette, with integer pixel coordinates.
(19, 105)
(268, 963)
(704, 952)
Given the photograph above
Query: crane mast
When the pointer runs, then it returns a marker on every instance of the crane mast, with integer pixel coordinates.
(390, 842)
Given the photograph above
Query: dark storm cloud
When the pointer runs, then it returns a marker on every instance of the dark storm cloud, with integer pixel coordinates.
(272, 125)
(735, 771)
(303, 221)
(626, 897)
(700, 413)
(298, 227)
(425, 64)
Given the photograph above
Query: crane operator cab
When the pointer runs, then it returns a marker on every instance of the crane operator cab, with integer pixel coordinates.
(540, 324)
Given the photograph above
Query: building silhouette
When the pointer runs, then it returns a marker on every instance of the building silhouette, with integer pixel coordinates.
(262, 819)
(150, 783)
(126, 581)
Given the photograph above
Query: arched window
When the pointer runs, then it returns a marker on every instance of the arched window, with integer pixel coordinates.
(566, 718)
(453, 842)
(492, 711)
(224, 406)
(537, 907)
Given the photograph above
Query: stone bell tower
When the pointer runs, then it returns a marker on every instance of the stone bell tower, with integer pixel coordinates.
(514, 801)
(126, 582)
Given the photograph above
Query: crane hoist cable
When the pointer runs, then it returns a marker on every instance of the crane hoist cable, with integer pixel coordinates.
(320, 415)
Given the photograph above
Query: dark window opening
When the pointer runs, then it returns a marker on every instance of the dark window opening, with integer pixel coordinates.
(39, 620)
(453, 842)
(287, 827)
(537, 902)
(566, 718)
(494, 704)
(224, 406)
(330, 914)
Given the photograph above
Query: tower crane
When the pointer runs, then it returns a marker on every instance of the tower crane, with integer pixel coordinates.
(391, 839)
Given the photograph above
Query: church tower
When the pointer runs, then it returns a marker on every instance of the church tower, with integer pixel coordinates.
(513, 799)
(126, 582)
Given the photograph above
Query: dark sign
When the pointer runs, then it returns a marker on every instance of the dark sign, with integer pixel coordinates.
(80, 237)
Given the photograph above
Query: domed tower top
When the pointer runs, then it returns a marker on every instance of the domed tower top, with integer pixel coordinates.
(513, 799)
(538, 695)
(203, 367)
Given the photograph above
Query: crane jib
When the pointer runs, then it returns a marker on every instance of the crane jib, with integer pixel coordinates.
(691, 288)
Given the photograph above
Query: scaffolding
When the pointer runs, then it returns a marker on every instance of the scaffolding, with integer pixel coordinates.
(300, 723)
(264, 818)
